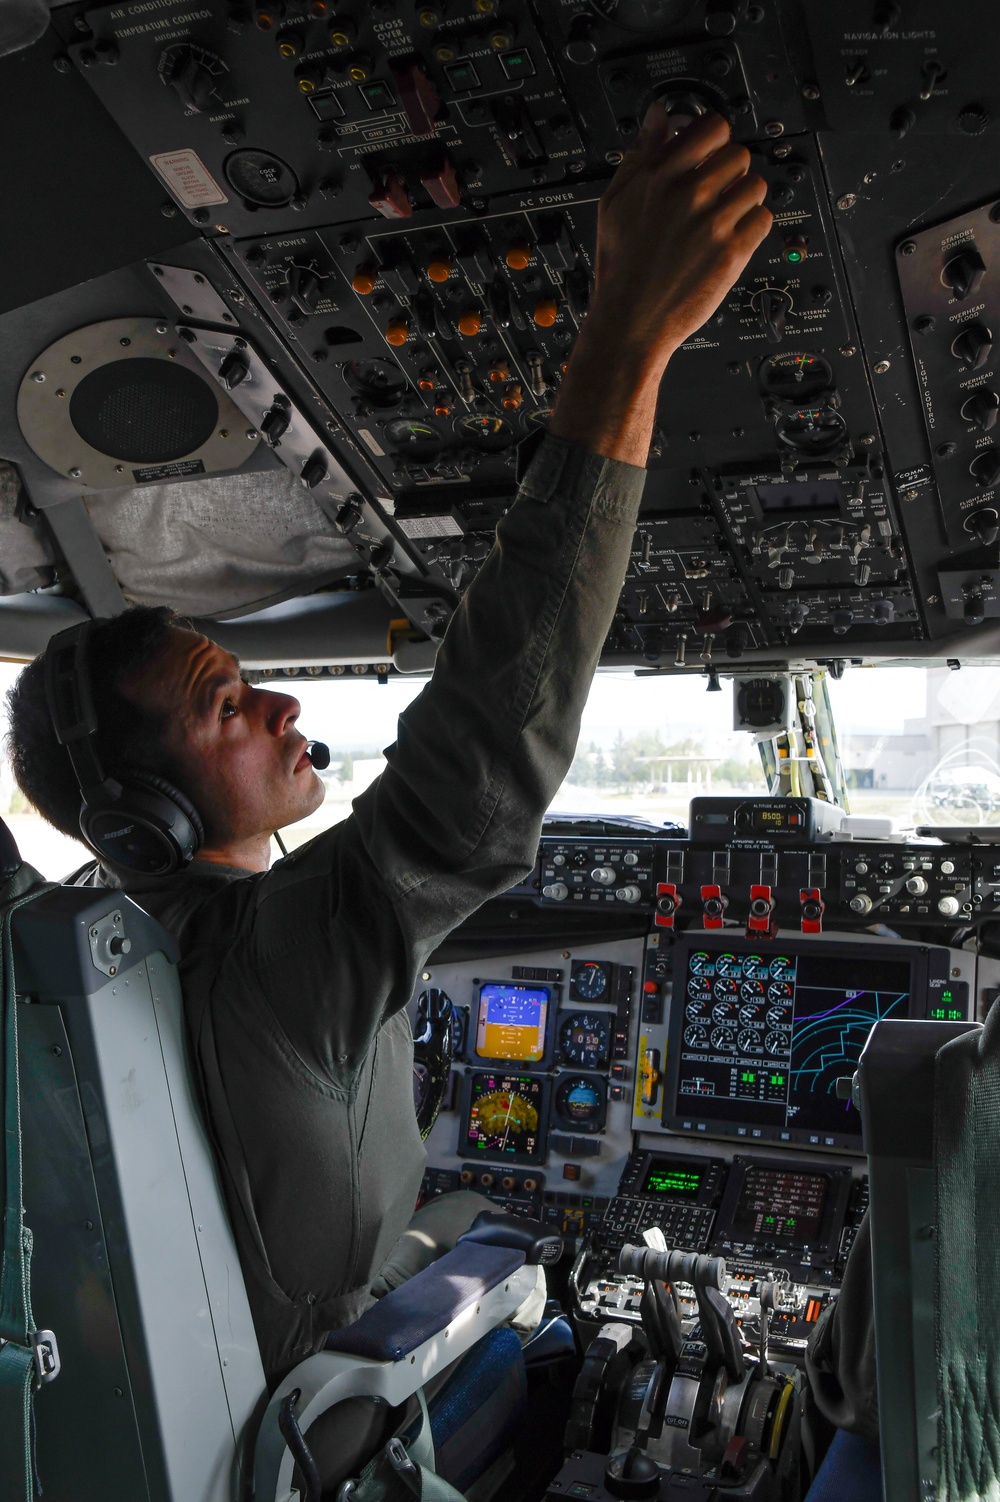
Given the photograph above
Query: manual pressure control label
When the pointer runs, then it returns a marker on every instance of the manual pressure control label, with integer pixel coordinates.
(188, 179)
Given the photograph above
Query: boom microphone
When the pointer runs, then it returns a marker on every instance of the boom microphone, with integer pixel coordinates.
(319, 755)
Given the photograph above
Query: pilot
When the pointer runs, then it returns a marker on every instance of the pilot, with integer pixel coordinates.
(296, 978)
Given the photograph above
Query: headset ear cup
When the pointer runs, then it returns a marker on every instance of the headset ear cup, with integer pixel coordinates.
(157, 784)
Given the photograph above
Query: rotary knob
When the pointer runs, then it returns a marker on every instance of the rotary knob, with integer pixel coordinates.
(191, 73)
(964, 272)
(305, 287)
(949, 907)
(973, 345)
(986, 467)
(916, 886)
(984, 526)
(275, 423)
(947, 868)
(629, 893)
(605, 876)
(861, 903)
(981, 408)
(234, 369)
(772, 306)
(556, 891)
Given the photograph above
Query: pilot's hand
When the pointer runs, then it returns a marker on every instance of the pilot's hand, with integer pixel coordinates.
(677, 224)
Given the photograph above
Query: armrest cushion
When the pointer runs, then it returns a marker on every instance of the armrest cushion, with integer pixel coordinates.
(426, 1303)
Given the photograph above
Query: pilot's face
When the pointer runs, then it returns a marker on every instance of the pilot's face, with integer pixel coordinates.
(242, 760)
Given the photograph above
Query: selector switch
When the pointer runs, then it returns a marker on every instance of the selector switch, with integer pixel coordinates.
(305, 287)
(189, 73)
(772, 306)
(981, 408)
(985, 467)
(605, 876)
(964, 272)
(234, 369)
(973, 345)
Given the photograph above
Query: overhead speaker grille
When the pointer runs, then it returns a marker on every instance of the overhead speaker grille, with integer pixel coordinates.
(144, 411)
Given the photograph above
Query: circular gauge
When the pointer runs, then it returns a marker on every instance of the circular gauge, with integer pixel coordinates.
(782, 968)
(489, 434)
(722, 1037)
(777, 1017)
(780, 990)
(795, 377)
(724, 1012)
(776, 1044)
(380, 381)
(811, 430)
(748, 1040)
(754, 968)
(701, 964)
(580, 1102)
(261, 178)
(538, 418)
(695, 1011)
(699, 989)
(752, 990)
(696, 1036)
(725, 989)
(644, 16)
(590, 981)
(412, 438)
(585, 1039)
(751, 1013)
(730, 965)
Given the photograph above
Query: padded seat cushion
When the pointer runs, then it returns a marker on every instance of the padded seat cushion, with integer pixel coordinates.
(408, 1316)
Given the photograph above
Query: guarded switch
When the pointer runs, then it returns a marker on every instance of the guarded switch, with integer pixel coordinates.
(390, 197)
(418, 97)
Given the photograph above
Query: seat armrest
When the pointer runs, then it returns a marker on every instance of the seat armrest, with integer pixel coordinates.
(532, 1237)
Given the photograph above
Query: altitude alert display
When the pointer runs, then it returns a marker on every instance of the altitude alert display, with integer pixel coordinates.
(506, 1116)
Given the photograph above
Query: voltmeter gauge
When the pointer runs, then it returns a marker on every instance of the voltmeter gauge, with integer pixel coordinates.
(811, 430)
(413, 438)
(486, 432)
(795, 377)
(585, 1039)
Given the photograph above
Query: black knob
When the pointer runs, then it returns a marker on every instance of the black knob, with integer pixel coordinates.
(964, 272)
(973, 612)
(305, 287)
(275, 423)
(973, 120)
(902, 120)
(632, 1473)
(796, 613)
(186, 70)
(984, 526)
(986, 467)
(771, 309)
(234, 369)
(313, 471)
(841, 620)
(349, 515)
(883, 612)
(884, 16)
(580, 46)
(981, 408)
(973, 345)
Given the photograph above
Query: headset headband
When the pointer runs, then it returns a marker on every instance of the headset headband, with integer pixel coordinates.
(71, 703)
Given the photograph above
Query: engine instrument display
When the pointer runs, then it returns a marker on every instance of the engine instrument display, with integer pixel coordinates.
(512, 1022)
(506, 1116)
(760, 1037)
(585, 1039)
(581, 1102)
(775, 1205)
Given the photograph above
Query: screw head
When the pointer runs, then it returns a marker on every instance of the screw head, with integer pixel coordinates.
(774, 127)
(847, 200)
(252, 433)
(75, 472)
(907, 248)
(847, 350)
(881, 366)
(810, 90)
(38, 376)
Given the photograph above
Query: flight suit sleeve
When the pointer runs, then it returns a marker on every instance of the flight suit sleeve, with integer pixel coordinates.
(455, 817)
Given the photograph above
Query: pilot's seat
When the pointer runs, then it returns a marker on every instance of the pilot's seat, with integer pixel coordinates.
(160, 1393)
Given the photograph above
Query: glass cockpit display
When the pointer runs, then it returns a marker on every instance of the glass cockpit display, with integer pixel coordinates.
(513, 1022)
(760, 1037)
(506, 1116)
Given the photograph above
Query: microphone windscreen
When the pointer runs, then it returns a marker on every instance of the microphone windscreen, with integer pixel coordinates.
(319, 755)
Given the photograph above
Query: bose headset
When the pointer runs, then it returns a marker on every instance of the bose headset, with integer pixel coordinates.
(143, 823)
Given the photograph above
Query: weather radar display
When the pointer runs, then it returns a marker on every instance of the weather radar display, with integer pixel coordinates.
(506, 1116)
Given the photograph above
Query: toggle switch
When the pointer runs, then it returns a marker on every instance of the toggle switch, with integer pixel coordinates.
(441, 183)
(389, 196)
(713, 905)
(418, 96)
(667, 904)
(811, 910)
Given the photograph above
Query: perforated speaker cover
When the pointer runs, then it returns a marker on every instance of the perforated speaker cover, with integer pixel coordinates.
(144, 411)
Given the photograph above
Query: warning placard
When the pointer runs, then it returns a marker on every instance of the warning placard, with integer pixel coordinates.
(188, 179)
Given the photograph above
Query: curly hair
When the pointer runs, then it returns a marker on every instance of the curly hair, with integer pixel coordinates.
(128, 736)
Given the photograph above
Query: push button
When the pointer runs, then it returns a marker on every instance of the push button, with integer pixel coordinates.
(517, 62)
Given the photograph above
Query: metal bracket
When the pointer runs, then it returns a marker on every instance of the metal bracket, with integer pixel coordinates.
(108, 943)
(45, 1349)
(193, 293)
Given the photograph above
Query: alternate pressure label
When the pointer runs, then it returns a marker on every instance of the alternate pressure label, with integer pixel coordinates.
(188, 179)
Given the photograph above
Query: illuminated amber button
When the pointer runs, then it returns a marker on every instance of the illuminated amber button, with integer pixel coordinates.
(442, 410)
(513, 397)
(397, 331)
(546, 313)
(470, 322)
(500, 373)
(427, 382)
(363, 280)
(518, 255)
(439, 270)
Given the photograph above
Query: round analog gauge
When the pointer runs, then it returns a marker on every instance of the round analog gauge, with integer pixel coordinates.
(755, 968)
(695, 1011)
(260, 177)
(580, 1103)
(381, 382)
(752, 990)
(724, 1012)
(701, 964)
(811, 430)
(590, 981)
(780, 990)
(538, 418)
(585, 1039)
(722, 1037)
(696, 1036)
(748, 1040)
(776, 1044)
(750, 1013)
(644, 16)
(777, 1017)
(485, 432)
(730, 965)
(412, 438)
(725, 989)
(782, 968)
(795, 377)
(699, 989)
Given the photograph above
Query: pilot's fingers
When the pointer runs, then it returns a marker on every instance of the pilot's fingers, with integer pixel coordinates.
(740, 199)
(718, 174)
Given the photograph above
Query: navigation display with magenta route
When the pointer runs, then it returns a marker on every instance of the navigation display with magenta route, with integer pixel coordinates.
(506, 1116)
(760, 1035)
(512, 1022)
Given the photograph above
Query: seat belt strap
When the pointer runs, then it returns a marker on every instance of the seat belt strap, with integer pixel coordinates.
(27, 1356)
(401, 1473)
